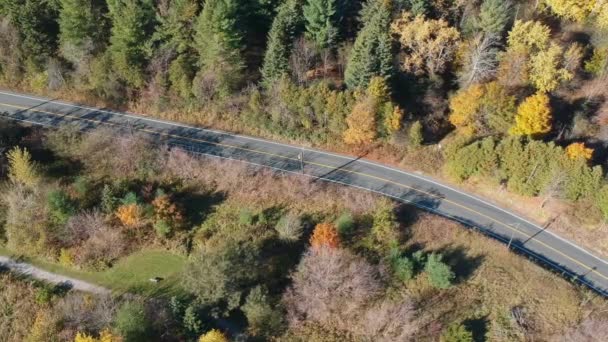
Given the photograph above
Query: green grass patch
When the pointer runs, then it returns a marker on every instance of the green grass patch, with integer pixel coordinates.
(129, 274)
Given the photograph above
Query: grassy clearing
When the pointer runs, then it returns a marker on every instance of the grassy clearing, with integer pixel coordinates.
(130, 274)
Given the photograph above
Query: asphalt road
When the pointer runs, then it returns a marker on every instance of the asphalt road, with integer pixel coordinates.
(544, 246)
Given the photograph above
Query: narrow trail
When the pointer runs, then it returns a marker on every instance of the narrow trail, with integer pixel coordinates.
(26, 269)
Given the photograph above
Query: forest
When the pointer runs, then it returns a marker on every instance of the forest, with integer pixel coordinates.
(500, 95)
(244, 253)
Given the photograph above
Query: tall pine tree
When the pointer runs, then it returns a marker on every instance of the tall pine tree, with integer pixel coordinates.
(81, 26)
(280, 41)
(372, 52)
(219, 44)
(132, 26)
(321, 17)
(494, 15)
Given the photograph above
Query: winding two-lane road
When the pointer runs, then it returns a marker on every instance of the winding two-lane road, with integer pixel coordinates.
(424, 192)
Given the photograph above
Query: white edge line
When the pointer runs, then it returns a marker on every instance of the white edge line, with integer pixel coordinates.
(466, 224)
(424, 178)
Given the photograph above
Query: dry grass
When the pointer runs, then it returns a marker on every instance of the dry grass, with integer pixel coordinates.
(499, 281)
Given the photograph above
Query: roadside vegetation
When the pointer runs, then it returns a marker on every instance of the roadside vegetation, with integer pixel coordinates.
(250, 254)
(496, 95)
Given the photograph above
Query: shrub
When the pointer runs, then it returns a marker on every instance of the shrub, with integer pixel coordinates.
(439, 273)
(246, 217)
(264, 317)
(131, 322)
(325, 235)
(60, 206)
(457, 333)
(403, 268)
(345, 224)
(289, 227)
(415, 134)
(162, 228)
(130, 215)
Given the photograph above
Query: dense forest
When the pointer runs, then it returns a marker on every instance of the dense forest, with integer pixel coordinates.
(508, 92)
(248, 254)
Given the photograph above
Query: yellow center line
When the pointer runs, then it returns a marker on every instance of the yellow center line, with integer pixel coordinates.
(526, 235)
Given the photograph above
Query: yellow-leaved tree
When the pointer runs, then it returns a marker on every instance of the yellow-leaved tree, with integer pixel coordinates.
(21, 167)
(576, 10)
(546, 71)
(105, 336)
(533, 116)
(579, 150)
(464, 106)
(213, 335)
(428, 44)
(361, 123)
(392, 122)
(529, 36)
(378, 90)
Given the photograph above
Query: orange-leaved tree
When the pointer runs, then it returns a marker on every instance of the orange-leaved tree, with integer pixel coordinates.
(325, 235)
(167, 211)
(130, 215)
(464, 106)
(578, 150)
(533, 116)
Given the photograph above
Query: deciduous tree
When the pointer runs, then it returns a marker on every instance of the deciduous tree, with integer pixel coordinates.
(428, 44)
(579, 150)
(361, 123)
(213, 335)
(533, 116)
(21, 167)
(325, 235)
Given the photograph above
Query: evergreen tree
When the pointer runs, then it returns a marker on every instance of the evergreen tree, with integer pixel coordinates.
(80, 24)
(132, 24)
(280, 40)
(36, 21)
(219, 44)
(494, 15)
(371, 54)
(440, 274)
(320, 18)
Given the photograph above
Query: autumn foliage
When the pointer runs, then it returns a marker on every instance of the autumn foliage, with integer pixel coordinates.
(578, 150)
(130, 215)
(213, 336)
(361, 124)
(325, 234)
(167, 211)
(105, 336)
(533, 116)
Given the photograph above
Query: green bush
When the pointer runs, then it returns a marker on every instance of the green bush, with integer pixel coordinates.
(246, 217)
(439, 273)
(264, 317)
(403, 268)
(131, 322)
(345, 224)
(162, 228)
(457, 333)
(60, 206)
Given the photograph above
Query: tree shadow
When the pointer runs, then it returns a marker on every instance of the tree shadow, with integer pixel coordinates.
(463, 265)
(198, 206)
(478, 327)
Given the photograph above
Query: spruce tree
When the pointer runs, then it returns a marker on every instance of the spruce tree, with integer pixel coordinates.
(280, 42)
(372, 52)
(320, 18)
(79, 24)
(132, 24)
(219, 44)
(36, 21)
(494, 15)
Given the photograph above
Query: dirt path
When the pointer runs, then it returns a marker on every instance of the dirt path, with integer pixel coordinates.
(37, 273)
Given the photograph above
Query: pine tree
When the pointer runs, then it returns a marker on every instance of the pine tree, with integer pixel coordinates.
(21, 167)
(372, 52)
(80, 24)
(132, 24)
(36, 21)
(494, 15)
(439, 273)
(219, 44)
(321, 20)
(280, 41)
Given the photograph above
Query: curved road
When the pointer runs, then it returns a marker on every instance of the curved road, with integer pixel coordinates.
(546, 247)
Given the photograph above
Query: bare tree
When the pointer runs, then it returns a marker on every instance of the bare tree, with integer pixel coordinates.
(302, 59)
(481, 60)
(82, 226)
(10, 52)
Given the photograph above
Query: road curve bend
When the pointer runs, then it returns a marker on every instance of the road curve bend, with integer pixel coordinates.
(549, 249)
